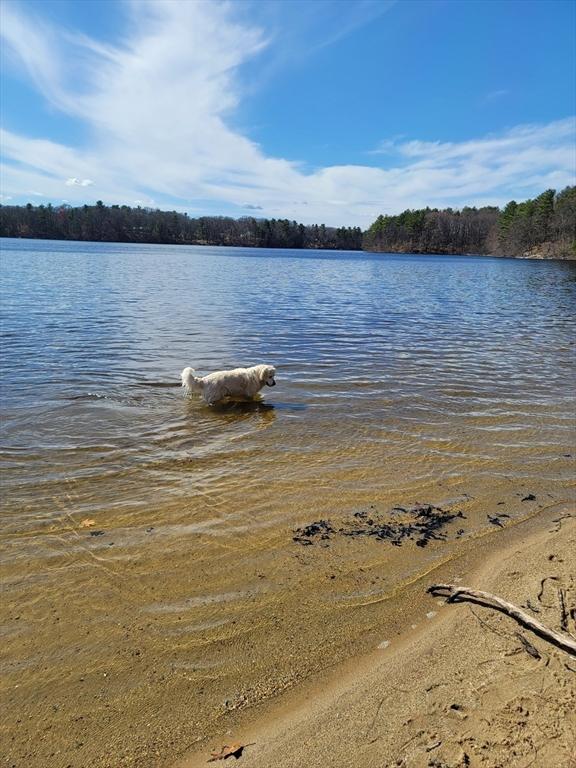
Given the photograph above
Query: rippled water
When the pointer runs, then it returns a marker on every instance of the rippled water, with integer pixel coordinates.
(447, 360)
(400, 378)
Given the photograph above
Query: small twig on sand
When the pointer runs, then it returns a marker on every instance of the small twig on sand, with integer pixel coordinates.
(528, 604)
(379, 707)
(542, 582)
(432, 746)
(563, 611)
(528, 647)
(492, 629)
(457, 594)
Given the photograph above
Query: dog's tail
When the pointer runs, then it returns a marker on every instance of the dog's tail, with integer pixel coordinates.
(190, 381)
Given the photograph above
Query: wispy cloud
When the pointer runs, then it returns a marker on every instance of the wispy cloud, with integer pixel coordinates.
(337, 25)
(495, 95)
(159, 106)
(297, 37)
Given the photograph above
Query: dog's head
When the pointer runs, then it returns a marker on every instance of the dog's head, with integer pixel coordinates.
(266, 374)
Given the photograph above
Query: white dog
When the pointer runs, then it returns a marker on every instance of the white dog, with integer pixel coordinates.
(239, 382)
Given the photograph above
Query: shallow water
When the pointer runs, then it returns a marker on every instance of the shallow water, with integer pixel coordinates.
(438, 360)
(401, 378)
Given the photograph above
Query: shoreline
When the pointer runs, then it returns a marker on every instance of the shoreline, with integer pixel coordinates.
(324, 720)
(534, 257)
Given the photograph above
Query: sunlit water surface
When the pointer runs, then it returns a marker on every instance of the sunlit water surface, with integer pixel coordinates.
(437, 361)
(400, 379)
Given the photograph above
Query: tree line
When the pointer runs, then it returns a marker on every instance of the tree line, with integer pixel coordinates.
(542, 227)
(547, 224)
(429, 230)
(123, 224)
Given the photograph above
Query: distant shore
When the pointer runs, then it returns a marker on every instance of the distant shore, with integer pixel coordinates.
(542, 228)
(461, 688)
(537, 255)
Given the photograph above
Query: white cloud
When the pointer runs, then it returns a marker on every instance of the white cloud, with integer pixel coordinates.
(74, 182)
(159, 108)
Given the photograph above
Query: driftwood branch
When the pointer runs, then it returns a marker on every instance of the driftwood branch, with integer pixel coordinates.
(458, 594)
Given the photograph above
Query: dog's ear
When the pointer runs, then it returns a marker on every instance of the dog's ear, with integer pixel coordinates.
(266, 372)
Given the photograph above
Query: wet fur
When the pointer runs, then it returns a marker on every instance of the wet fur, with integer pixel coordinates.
(243, 383)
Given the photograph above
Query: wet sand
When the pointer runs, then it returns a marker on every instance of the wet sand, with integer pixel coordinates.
(124, 655)
(457, 689)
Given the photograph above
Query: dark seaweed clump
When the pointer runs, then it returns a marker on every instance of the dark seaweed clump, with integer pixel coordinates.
(421, 524)
(321, 530)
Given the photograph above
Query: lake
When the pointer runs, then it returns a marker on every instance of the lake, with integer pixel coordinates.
(149, 538)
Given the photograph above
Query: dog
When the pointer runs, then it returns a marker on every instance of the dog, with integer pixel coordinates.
(242, 383)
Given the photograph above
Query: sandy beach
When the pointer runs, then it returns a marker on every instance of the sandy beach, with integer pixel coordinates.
(458, 688)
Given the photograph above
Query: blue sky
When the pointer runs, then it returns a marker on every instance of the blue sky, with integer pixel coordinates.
(316, 110)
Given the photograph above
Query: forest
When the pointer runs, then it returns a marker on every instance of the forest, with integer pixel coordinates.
(122, 224)
(544, 227)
